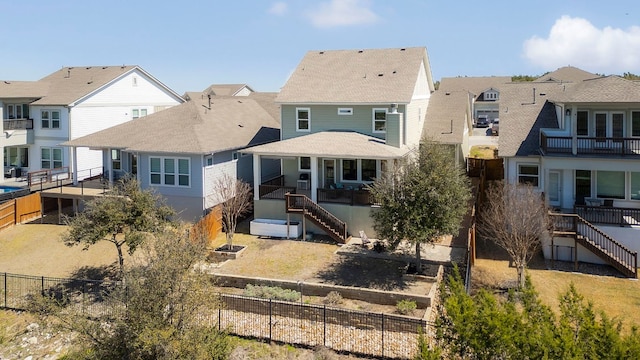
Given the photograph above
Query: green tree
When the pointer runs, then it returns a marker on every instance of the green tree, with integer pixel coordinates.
(515, 217)
(125, 216)
(160, 313)
(422, 197)
(631, 76)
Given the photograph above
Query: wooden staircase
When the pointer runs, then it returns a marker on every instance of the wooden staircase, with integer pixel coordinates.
(596, 241)
(301, 204)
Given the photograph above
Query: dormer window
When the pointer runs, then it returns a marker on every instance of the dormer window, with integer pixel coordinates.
(491, 95)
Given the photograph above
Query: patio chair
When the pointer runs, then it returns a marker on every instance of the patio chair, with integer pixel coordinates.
(365, 239)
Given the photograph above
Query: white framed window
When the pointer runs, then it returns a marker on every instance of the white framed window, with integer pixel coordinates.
(15, 111)
(635, 123)
(379, 120)
(582, 123)
(365, 170)
(138, 113)
(491, 95)
(350, 169)
(304, 163)
(50, 157)
(169, 171)
(529, 174)
(610, 184)
(303, 119)
(345, 111)
(50, 119)
(116, 161)
(369, 169)
(16, 156)
(209, 160)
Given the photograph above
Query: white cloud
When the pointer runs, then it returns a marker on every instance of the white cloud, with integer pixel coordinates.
(343, 13)
(576, 42)
(278, 8)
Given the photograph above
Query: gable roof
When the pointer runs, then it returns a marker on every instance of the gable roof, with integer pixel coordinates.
(371, 76)
(607, 89)
(566, 74)
(475, 85)
(193, 127)
(70, 84)
(226, 89)
(446, 116)
(525, 109)
(339, 144)
(22, 89)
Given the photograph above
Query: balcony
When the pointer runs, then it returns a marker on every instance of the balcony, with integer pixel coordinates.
(276, 189)
(589, 146)
(18, 124)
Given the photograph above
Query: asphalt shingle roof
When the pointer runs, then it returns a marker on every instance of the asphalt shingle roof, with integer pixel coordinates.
(446, 116)
(193, 127)
(370, 76)
(474, 85)
(339, 144)
(566, 74)
(609, 89)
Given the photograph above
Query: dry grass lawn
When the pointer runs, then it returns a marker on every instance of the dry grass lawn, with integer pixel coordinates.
(482, 151)
(616, 296)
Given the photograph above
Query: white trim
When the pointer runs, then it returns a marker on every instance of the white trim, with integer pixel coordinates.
(373, 120)
(308, 110)
(177, 173)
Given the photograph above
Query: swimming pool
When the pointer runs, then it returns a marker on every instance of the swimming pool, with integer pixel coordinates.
(6, 189)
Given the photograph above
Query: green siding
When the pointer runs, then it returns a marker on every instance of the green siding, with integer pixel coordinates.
(325, 117)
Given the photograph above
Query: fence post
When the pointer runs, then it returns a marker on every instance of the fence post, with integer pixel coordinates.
(5, 289)
(324, 323)
(270, 318)
(383, 335)
(42, 285)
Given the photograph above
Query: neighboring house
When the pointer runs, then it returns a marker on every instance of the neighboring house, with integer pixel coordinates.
(229, 90)
(485, 92)
(181, 151)
(449, 121)
(70, 103)
(347, 115)
(577, 139)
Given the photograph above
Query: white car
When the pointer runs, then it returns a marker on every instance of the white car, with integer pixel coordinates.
(495, 126)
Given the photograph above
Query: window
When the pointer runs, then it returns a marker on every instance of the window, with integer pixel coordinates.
(601, 125)
(635, 186)
(635, 123)
(209, 160)
(138, 113)
(582, 119)
(303, 119)
(345, 111)
(16, 156)
(491, 95)
(528, 174)
(116, 163)
(16, 111)
(379, 120)
(304, 163)
(50, 119)
(369, 169)
(617, 125)
(349, 169)
(50, 158)
(610, 184)
(169, 171)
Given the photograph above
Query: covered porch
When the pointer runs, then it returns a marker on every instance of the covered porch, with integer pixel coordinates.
(328, 167)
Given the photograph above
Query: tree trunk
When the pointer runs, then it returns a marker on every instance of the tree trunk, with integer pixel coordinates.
(229, 235)
(418, 259)
(120, 260)
(521, 277)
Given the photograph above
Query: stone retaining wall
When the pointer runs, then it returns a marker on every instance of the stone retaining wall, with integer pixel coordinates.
(318, 289)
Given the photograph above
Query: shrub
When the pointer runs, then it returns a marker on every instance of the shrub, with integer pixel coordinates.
(405, 307)
(379, 247)
(333, 298)
(271, 292)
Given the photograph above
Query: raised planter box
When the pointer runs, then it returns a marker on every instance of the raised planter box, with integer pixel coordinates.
(275, 228)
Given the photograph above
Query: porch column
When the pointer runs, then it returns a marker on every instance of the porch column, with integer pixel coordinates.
(110, 167)
(256, 177)
(314, 178)
(74, 157)
(574, 129)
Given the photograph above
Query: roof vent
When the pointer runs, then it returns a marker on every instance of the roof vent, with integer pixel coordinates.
(403, 49)
(381, 74)
(88, 67)
(321, 52)
(360, 51)
(394, 71)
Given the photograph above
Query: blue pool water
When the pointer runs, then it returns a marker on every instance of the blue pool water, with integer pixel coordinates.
(6, 189)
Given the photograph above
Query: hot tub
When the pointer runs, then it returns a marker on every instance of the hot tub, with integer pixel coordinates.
(275, 228)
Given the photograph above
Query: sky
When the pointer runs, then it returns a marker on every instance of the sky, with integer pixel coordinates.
(191, 45)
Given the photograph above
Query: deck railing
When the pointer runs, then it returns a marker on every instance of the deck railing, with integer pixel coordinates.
(345, 196)
(609, 215)
(17, 124)
(618, 146)
(335, 227)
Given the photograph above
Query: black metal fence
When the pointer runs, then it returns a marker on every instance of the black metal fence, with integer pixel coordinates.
(343, 330)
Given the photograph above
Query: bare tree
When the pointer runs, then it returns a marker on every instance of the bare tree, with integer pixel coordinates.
(516, 218)
(235, 200)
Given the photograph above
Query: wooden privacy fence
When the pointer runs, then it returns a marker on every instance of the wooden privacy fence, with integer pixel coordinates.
(20, 210)
(210, 225)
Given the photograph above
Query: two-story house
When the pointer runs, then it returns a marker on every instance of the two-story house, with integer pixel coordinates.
(347, 115)
(182, 151)
(578, 142)
(70, 103)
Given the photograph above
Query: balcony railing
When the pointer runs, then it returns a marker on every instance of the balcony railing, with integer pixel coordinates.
(615, 146)
(336, 196)
(18, 124)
